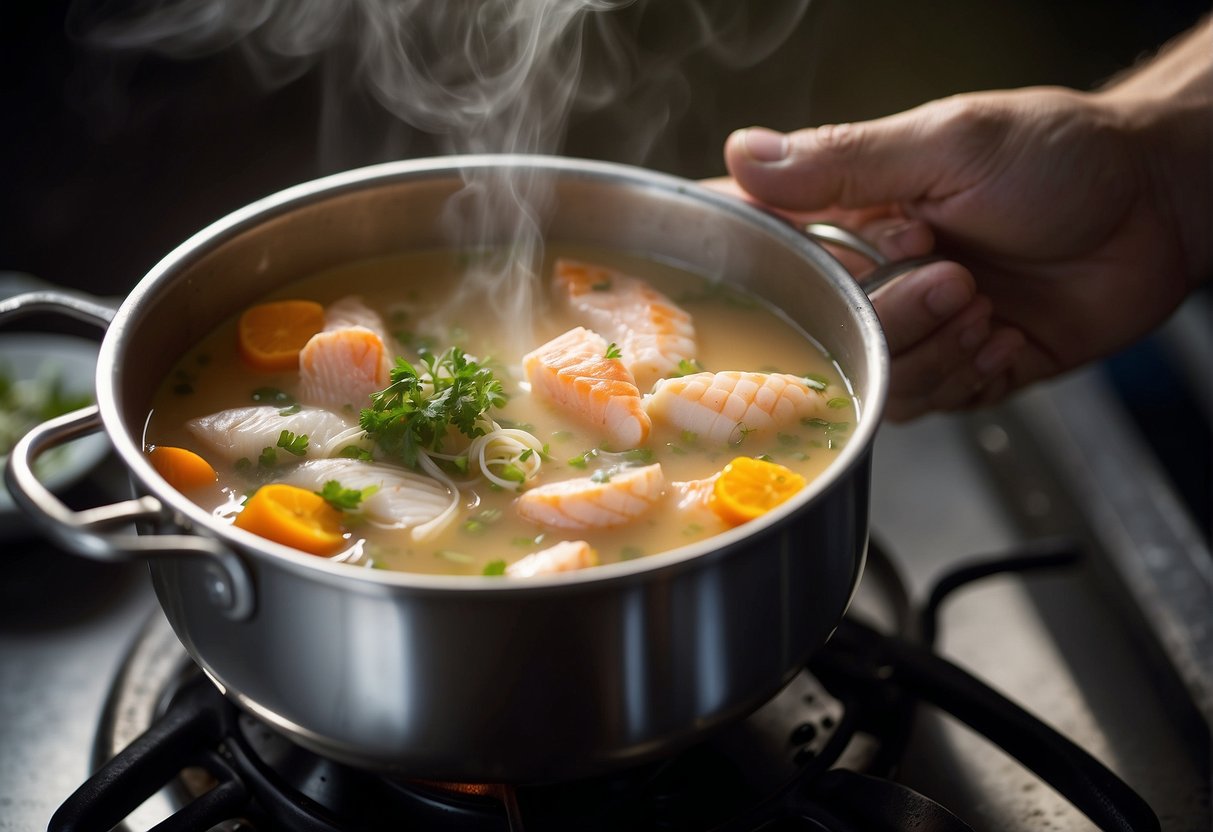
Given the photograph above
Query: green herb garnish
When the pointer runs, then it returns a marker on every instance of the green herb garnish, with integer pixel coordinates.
(613, 351)
(292, 444)
(583, 458)
(494, 567)
(838, 402)
(345, 499)
(816, 381)
(415, 411)
(354, 452)
(688, 367)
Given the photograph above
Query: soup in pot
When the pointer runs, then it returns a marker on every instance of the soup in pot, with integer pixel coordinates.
(369, 415)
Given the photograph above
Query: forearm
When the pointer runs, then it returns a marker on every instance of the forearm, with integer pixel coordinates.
(1166, 105)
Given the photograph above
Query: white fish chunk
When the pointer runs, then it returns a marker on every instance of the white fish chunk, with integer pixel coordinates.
(244, 431)
(403, 499)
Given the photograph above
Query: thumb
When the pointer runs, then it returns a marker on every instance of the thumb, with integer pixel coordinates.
(901, 158)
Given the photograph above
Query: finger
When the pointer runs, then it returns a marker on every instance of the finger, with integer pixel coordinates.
(884, 226)
(919, 370)
(971, 383)
(903, 157)
(898, 238)
(919, 302)
(846, 217)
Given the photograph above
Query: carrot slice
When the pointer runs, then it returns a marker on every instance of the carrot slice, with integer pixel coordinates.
(272, 334)
(294, 517)
(748, 488)
(183, 470)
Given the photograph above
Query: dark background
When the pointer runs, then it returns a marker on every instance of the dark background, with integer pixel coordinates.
(108, 160)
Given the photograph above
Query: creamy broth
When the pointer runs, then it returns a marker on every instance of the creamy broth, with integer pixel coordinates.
(734, 332)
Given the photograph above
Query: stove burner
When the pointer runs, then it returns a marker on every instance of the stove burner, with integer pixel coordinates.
(812, 758)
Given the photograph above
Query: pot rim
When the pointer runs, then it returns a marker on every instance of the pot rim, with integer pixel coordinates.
(130, 449)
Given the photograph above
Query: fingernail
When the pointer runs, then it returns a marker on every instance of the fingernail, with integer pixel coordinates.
(765, 145)
(947, 299)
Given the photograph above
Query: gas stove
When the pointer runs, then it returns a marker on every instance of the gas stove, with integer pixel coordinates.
(1033, 546)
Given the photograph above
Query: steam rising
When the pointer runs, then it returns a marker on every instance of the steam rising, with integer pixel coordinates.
(482, 76)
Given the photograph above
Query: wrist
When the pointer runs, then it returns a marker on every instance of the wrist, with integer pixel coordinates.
(1170, 132)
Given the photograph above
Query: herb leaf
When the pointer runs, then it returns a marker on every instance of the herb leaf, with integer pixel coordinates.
(494, 567)
(345, 499)
(613, 351)
(292, 444)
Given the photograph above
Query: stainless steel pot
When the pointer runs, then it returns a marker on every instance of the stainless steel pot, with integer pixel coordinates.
(469, 678)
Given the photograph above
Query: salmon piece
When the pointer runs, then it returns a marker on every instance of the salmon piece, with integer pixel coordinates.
(349, 312)
(565, 556)
(339, 369)
(723, 407)
(573, 371)
(653, 334)
(243, 432)
(585, 504)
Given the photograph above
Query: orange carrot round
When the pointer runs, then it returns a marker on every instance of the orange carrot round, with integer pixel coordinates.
(294, 517)
(748, 488)
(183, 470)
(272, 334)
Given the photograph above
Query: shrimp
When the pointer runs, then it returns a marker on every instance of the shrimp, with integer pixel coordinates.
(724, 407)
(339, 369)
(654, 335)
(244, 432)
(594, 503)
(574, 372)
(565, 556)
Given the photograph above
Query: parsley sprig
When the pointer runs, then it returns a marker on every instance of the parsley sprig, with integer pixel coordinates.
(345, 499)
(416, 410)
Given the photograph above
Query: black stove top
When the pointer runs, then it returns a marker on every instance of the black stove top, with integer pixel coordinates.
(820, 755)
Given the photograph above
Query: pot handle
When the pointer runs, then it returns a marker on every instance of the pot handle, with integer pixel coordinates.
(229, 584)
(886, 269)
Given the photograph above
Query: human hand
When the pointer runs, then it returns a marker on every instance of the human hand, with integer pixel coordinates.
(1072, 223)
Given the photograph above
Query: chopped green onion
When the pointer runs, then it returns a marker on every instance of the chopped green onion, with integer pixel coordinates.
(494, 567)
(816, 381)
(838, 402)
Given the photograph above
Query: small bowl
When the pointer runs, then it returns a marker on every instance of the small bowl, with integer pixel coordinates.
(74, 360)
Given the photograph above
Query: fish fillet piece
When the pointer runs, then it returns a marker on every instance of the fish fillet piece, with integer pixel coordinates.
(573, 371)
(351, 311)
(722, 407)
(653, 334)
(565, 556)
(339, 369)
(585, 504)
(403, 498)
(693, 494)
(244, 431)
